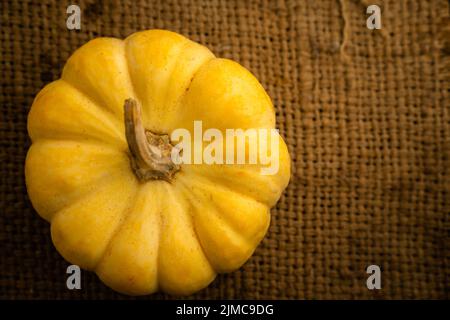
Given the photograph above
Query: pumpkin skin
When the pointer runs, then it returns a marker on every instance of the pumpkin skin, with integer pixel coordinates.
(142, 237)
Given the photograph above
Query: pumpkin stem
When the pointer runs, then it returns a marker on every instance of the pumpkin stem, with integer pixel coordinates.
(150, 152)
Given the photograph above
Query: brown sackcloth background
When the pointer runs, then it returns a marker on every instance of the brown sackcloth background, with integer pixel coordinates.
(365, 114)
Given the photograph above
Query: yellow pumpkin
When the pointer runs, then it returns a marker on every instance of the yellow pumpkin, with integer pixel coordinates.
(146, 227)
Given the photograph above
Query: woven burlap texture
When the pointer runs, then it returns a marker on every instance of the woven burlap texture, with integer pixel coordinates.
(365, 114)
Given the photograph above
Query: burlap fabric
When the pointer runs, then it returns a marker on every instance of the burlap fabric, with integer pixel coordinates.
(365, 115)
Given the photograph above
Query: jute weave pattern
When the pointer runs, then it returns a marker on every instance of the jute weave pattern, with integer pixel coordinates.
(365, 115)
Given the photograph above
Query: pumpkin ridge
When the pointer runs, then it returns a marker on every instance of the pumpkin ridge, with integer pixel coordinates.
(103, 178)
(175, 193)
(191, 80)
(179, 99)
(158, 250)
(94, 99)
(228, 226)
(181, 48)
(205, 182)
(125, 214)
(92, 111)
(141, 191)
(115, 165)
(190, 196)
(191, 209)
(133, 86)
(100, 107)
(146, 109)
(80, 196)
(82, 140)
(200, 176)
(77, 205)
(193, 226)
